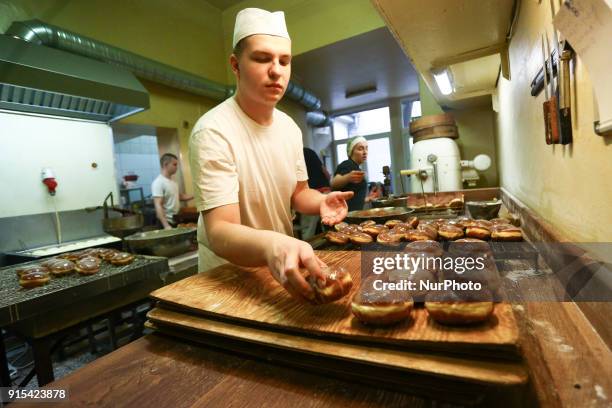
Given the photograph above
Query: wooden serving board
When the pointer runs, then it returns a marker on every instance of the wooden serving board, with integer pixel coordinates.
(497, 373)
(251, 296)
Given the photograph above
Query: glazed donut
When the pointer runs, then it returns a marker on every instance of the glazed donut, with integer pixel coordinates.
(455, 203)
(348, 228)
(503, 221)
(482, 270)
(508, 233)
(374, 229)
(23, 270)
(401, 229)
(450, 232)
(429, 230)
(122, 258)
(359, 238)
(439, 222)
(95, 252)
(33, 279)
(340, 226)
(338, 283)
(484, 223)
(107, 253)
(417, 276)
(71, 256)
(469, 223)
(61, 267)
(424, 248)
(392, 223)
(459, 308)
(338, 238)
(389, 238)
(413, 222)
(469, 247)
(456, 223)
(478, 231)
(88, 265)
(418, 235)
(380, 307)
(367, 223)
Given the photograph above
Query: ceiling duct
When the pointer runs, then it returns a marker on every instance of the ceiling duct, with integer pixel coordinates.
(40, 33)
(43, 80)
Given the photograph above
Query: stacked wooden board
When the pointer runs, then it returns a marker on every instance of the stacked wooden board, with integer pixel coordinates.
(245, 310)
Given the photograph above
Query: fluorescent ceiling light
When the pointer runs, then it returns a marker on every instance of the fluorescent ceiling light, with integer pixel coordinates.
(360, 92)
(415, 110)
(444, 83)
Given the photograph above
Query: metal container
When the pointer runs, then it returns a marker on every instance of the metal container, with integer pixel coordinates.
(168, 243)
(392, 201)
(122, 226)
(380, 215)
(484, 209)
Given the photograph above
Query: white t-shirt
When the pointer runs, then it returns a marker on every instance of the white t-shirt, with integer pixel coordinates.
(236, 160)
(169, 191)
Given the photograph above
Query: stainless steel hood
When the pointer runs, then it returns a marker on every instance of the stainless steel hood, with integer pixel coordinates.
(40, 79)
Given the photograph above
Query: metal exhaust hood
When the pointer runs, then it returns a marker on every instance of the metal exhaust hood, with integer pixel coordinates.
(40, 79)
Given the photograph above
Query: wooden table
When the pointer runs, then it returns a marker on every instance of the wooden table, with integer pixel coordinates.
(163, 372)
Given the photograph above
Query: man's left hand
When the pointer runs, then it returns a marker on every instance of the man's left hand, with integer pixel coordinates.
(334, 208)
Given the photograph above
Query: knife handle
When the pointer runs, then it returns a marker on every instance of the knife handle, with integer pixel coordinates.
(554, 120)
(547, 130)
(565, 121)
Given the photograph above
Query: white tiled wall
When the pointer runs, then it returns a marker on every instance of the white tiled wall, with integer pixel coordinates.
(138, 155)
(80, 154)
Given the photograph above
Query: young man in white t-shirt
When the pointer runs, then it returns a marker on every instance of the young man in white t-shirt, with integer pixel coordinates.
(248, 166)
(165, 191)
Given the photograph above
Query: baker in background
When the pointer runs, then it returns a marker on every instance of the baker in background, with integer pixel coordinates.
(248, 167)
(318, 179)
(349, 176)
(165, 191)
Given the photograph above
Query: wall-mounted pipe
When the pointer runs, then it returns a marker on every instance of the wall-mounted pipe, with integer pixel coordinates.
(38, 32)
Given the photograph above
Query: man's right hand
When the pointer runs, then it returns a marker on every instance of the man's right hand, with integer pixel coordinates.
(356, 176)
(284, 256)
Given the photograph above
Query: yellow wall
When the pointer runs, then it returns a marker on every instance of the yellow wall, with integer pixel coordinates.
(569, 186)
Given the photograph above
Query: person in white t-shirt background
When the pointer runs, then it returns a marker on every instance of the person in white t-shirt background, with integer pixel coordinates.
(165, 191)
(248, 165)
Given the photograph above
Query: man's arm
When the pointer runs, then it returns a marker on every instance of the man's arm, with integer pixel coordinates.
(159, 212)
(306, 200)
(332, 207)
(185, 197)
(247, 246)
(341, 180)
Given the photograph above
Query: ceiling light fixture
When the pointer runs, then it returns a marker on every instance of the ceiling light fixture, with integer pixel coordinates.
(443, 80)
(361, 91)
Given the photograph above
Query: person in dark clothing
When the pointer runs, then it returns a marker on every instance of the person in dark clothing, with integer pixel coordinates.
(318, 179)
(350, 177)
(318, 176)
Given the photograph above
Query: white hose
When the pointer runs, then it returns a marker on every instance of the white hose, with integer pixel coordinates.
(58, 225)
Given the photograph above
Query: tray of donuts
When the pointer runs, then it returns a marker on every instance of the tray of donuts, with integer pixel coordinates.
(84, 263)
(395, 231)
(467, 299)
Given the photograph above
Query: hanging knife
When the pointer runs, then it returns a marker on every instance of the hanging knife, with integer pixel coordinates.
(553, 106)
(565, 117)
(546, 104)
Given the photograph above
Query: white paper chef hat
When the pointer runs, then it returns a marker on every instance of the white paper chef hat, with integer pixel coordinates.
(252, 21)
(353, 142)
